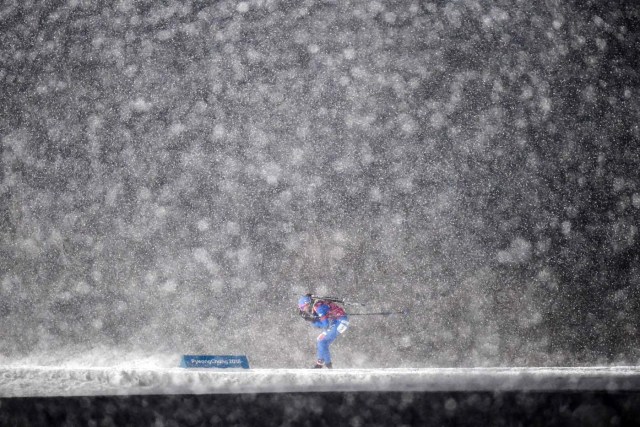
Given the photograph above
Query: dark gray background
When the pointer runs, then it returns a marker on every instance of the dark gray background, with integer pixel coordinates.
(174, 174)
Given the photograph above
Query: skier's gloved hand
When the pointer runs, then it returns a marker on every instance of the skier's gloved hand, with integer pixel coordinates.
(307, 316)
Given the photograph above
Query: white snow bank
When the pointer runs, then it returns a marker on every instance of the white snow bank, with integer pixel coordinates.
(26, 381)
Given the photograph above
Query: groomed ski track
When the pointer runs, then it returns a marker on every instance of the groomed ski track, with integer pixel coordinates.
(45, 381)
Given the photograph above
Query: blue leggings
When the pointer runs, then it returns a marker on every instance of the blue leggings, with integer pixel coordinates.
(329, 336)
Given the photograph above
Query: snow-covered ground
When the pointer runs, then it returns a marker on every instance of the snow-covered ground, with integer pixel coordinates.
(30, 380)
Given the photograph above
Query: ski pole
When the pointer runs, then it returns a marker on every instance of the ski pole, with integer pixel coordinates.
(381, 313)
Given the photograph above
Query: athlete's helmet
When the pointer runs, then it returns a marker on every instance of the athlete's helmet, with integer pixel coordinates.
(303, 302)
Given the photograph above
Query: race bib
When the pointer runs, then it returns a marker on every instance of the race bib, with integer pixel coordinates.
(342, 327)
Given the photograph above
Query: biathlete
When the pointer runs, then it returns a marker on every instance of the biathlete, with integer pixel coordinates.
(326, 315)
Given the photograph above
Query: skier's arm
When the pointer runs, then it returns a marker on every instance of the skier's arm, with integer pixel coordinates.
(321, 319)
(309, 317)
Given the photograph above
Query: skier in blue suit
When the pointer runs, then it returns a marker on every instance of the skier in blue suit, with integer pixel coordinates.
(325, 315)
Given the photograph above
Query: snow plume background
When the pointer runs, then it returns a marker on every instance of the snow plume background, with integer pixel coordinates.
(174, 174)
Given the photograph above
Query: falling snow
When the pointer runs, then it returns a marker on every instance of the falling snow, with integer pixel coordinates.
(173, 174)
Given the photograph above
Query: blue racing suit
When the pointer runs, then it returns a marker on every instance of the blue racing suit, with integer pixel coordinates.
(333, 319)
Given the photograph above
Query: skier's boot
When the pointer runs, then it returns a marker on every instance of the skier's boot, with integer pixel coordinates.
(328, 365)
(318, 365)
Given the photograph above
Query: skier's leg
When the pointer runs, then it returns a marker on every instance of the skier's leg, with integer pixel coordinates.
(323, 342)
(326, 338)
